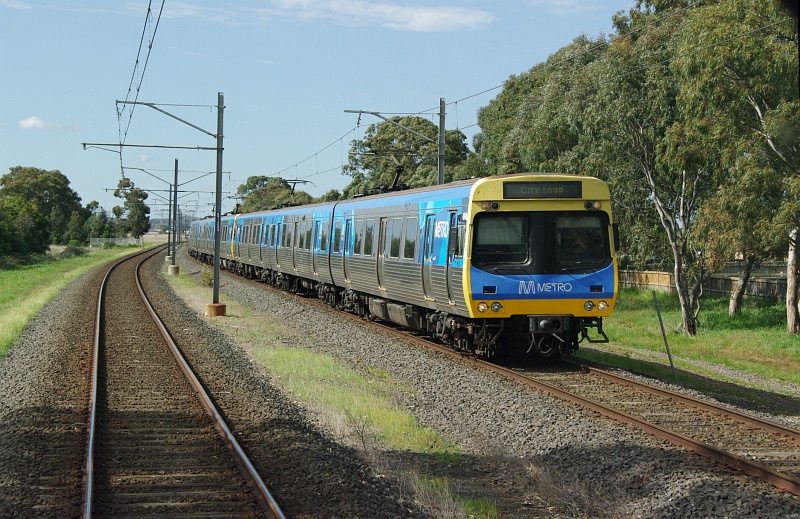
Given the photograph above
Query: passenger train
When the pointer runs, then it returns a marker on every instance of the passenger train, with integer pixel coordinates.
(523, 262)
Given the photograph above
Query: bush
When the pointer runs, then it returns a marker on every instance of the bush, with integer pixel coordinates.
(74, 248)
(207, 276)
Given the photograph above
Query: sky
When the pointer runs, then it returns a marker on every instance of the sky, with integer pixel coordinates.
(288, 70)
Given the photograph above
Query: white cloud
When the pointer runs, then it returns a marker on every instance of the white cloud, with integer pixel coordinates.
(14, 4)
(566, 7)
(33, 123)
(36, 123)
(392, 15)
(143, 158)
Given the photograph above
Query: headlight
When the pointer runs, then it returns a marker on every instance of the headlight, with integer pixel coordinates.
(496, 307)
(588, 306)
(482, 307)
(602, 306)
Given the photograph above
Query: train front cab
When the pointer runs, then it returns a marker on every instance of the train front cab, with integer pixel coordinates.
(541, 271)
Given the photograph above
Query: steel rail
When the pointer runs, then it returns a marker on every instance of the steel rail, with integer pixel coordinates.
(261, 491)
(88, 481)
(778, 479)
(739, 416)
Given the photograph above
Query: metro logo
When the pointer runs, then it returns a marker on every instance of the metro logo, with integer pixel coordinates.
(441, 229)
(533, 288)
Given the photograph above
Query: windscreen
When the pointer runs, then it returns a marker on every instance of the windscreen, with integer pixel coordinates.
(541, 242)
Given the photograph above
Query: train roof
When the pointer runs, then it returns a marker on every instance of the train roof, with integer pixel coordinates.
(409, 193)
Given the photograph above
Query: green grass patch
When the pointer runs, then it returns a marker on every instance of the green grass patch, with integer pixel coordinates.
(364, 400)
(25, 289)
(755, 340)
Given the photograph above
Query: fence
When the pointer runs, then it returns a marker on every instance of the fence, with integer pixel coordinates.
(119, 242)
(717, 286)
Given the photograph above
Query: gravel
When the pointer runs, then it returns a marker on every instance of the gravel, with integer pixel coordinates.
(533, 455)
(536, 449)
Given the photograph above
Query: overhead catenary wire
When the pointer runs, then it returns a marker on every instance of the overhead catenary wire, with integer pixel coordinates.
(148, 20)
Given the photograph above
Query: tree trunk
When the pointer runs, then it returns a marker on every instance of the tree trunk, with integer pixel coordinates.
(792, 314)
(741, 284)
(684, 296)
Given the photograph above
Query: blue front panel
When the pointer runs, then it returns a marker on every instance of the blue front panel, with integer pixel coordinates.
(542, 286)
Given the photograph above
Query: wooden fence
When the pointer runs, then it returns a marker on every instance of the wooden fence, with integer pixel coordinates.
(717, 286)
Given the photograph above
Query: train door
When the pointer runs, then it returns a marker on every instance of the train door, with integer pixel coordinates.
(348, 248)
(315, 246)
(428, 256)
(452, 247)
(261, 240)
(295, 234)
(278, 241)
(237, 239)
(382, 249)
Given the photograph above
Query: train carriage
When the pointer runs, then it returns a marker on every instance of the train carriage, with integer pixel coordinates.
(518, 261)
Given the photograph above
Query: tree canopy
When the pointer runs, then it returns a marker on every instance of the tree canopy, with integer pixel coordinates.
(690, 113)
(261, 192)
(387, 148)
(134, 214)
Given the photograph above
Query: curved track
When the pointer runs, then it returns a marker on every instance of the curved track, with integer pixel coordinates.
(762, 449)
(157, 445)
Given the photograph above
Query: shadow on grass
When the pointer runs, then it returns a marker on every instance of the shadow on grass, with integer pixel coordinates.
(728, 392)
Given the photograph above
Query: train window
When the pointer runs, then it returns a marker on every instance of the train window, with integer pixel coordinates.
(412, 232)
(580, 241)
(358, 238)
(393, 233)
(308, 236)
(369, 234)
(462, 233)
(501, 238)
(337, 236)
(323, 237)
(301, 236)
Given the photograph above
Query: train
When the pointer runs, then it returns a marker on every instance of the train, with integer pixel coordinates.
(523, 263)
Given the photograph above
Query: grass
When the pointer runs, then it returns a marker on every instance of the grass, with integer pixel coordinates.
(754, 341)
(360, 405)
(25, 289)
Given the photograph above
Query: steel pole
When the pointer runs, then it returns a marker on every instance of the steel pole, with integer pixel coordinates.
(218, 208)
(169, 220)
(441, 140)
(175, 216)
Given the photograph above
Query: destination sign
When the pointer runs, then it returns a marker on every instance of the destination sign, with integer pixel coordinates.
(557, 189)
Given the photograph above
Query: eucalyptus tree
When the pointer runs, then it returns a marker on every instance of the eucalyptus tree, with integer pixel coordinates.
(262, 192)
(650, 150)
(389, 154)
(136, 220)
(737, 65)
(49, 191)
(23, 229)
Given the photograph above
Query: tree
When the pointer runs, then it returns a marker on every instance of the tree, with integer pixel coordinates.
(98, 225)
(261, 192)
(387, 148)
(331, 196)
(49, 191)
(136, 220)
(732, 93)
(23, 229)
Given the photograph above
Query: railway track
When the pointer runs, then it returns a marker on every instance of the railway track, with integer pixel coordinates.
(157, 445)
(747, 444)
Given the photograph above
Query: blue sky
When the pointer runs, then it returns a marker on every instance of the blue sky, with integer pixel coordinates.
(288, 70)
